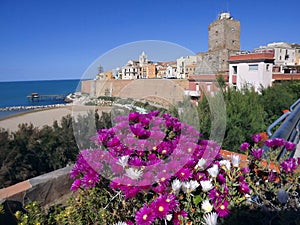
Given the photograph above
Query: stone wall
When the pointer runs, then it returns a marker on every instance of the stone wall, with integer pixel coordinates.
(46, 189)
(166, 88)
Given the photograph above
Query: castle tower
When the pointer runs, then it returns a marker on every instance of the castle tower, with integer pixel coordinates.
(223, 40)
(224, 33)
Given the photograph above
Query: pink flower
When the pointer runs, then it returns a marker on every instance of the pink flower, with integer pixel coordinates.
(256, 138)
(244, 188)
(160, 207)
(244, 146)
(278, 142)
(257, 153)
(76, 184)
(215, 195)
(289, 165)
(269, 143)
(144, 216)
(290, 146)
(177, 215)
(184, 174)
(222, 208)
(172, 201)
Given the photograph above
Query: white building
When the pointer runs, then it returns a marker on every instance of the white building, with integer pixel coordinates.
(182, 62)
(130, 70)
(251, 70)
(285, 54)
(171, 72)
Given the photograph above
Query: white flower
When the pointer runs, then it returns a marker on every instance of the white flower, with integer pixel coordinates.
(190, 186)
(176, 185)
(206, 185)
(235, 159)
(134, 174)
(123, 161)
(226, 164)
(201, 164)
(120, 223)
(213, 171)
(210, 219)
(206, 206)
(169, 217)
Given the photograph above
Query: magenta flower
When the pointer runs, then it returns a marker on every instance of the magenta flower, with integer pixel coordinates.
(269, 143)
(257, 153)
(113, 142)
(144, 216)
(244, 146)
(245, 170)
(160, 207)
(160, 187)
(222, 209)
(215, 195)
(133, 117)
(176, 219)
(221, 178)
(76, 184)
(90, 179)
(272, 176)
(290, 146)
(172, 201)
(199, 176)
(244, 188)
(278, 142)
(256, 138)
(129, 191)
(184, 174)
(289, 165)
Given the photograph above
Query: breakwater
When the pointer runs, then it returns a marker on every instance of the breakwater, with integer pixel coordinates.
(22, 108)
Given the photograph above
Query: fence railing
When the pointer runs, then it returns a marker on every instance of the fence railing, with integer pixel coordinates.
(289, 128)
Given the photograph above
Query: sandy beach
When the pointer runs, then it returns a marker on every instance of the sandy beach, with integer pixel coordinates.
(41, 118)
(38, 118)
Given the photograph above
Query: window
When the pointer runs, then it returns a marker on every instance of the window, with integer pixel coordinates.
(267, 67)
(234, 69)
(253, 67)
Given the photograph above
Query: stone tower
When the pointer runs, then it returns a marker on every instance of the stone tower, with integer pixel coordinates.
(224, 33)
(223, 40)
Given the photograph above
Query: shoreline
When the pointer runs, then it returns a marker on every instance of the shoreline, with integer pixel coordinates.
(23, 110)
(30, 107)
(45, 116)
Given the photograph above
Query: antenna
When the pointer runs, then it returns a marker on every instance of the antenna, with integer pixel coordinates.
(227, 5)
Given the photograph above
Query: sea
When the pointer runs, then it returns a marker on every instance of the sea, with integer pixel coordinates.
(14, 93)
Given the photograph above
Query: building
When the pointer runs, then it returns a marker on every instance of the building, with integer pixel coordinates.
(251, 70)
(171, 71)
(141, 69)
(190, 70)
(286, 56)
(223, 41)
(182, 63)
(130, 71)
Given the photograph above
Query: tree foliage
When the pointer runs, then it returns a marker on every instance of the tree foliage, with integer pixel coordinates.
(32, 151)
(248, 112)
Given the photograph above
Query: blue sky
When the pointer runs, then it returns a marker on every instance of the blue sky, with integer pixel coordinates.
(59, 39)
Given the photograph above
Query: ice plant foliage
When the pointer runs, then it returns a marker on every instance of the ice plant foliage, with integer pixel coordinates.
(177, 176)
(270, 179)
